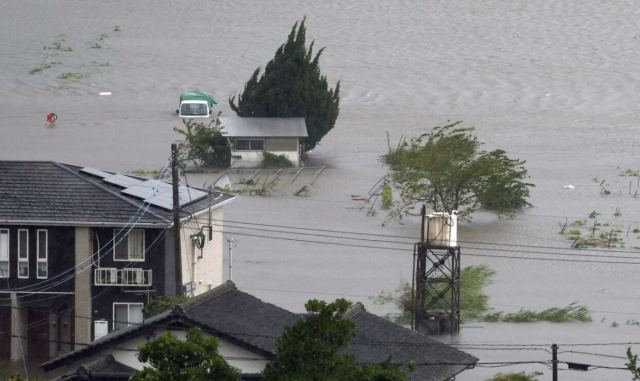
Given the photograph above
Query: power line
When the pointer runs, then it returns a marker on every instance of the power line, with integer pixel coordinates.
(480, 364)
(595, 354)
(484, 346)
(410, 251)
(414, 239)
(398, 242)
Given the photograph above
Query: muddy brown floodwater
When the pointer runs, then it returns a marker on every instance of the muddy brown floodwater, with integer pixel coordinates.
(553, 83)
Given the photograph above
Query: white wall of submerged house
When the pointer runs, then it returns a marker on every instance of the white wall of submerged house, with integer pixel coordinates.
(288, 147)
(252, 159)
(202, 269)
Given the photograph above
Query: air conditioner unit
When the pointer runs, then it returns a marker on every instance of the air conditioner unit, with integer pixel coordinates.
(100, 329)
(441, 229)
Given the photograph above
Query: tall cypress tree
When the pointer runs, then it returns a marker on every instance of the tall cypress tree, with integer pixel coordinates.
(292, 86)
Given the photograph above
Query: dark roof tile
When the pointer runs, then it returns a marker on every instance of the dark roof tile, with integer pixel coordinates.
(55, 193)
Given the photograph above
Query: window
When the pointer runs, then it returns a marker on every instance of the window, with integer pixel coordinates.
(4, 253)
(249, 145)
(42, 254)
(23, 253)
(196, 109)
(130, 247)
(126, 314)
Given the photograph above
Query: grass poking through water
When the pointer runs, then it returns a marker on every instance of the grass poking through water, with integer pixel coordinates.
(474, 303)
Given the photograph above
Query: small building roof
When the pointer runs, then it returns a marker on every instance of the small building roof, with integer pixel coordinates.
(52, 193)
(238, 127)
(249, 322)
(105, 368)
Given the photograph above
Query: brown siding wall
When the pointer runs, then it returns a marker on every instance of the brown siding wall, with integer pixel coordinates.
(281, 144)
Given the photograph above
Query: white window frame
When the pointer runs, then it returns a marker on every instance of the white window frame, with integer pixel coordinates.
(8, 274)
(44, 260)
(128, 312)
(21, 259)
(129, 259)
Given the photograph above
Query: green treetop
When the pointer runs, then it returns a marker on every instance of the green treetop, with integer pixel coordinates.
(312, 350)
(446, 169)
(292, 86)
(193, 359)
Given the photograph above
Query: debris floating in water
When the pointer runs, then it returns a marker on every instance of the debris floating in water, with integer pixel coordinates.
(105, 93)
(568, 187)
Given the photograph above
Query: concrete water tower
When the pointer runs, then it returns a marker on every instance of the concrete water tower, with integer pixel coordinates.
(436, 283)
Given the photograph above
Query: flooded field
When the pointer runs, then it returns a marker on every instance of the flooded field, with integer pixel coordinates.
(554, 83)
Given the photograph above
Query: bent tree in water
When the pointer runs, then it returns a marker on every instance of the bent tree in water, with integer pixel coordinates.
(447, 169)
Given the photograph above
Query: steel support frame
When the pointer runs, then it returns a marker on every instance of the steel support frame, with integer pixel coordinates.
(436, 285)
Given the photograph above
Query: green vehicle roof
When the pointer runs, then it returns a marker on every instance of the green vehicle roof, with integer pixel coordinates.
(198, 95)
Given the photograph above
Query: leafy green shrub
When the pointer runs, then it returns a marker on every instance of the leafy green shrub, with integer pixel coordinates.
(162, 303)
(204, 143)
(270, 160)
(387, 196)
(521, 376)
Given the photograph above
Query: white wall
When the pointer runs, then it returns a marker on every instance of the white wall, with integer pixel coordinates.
(205, 272)
(127, 353)
(250, 159)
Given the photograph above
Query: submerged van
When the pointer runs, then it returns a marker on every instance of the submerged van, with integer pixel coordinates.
(196, 104)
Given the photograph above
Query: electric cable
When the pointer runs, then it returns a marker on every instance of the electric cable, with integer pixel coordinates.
(414, 239)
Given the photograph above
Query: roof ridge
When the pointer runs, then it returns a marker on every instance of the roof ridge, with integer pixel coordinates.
(354, 309)
(106, 189)
(208, 295)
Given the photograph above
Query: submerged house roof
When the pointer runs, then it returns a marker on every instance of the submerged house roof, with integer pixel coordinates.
(246, 321)
(52, 193)
(237, 127)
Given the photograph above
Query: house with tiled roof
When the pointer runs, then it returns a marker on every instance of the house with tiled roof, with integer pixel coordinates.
(82, 250)
(247, 330)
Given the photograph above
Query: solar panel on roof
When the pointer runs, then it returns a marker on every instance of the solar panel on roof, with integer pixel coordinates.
(147, 189)
(122, 180)
(96, 172)
(160, 194)
(189, 194)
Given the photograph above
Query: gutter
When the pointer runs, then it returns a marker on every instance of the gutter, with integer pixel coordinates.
(80, 223)
(216, 206)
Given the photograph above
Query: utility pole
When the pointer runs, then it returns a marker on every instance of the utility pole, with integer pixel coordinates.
(231, 242)
(554, 361)
(176, 219)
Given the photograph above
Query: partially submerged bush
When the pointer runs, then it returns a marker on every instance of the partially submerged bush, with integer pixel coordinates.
(270, 160)
(387, 196)
(520, 376)
(572, 312)
(204, 143)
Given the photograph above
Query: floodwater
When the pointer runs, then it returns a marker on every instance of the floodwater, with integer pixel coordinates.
(554, 83)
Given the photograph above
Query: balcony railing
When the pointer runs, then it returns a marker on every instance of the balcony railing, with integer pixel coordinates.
(130, 277)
